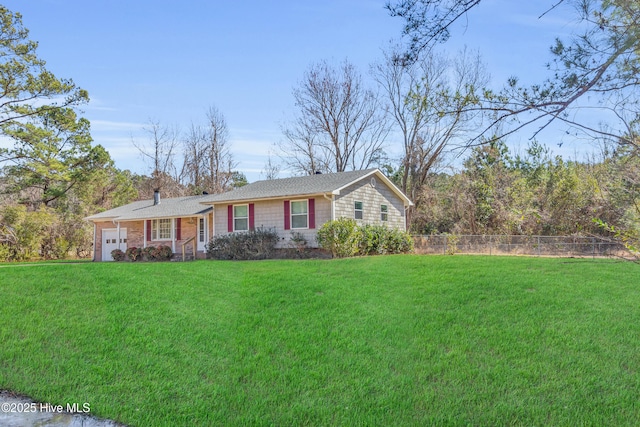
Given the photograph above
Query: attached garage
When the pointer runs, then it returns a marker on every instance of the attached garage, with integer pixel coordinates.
(182, 223)
(112, 241)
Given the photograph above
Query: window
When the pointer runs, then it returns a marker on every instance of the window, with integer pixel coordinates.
(358, 211)
(241, 218)
(201, 230)
(384, 213)
(161, 229)
(299, 214)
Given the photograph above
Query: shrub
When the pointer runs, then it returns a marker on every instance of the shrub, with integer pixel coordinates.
(163, 253)
(44, 233)
(452, 244)
(133, 253)
(159, 253)
(5, 252)
(380, 240)
(24, 232)
(343, 238)
(298, 244)
(372, 240)
(147, 253)
(340, 237)
(251, 245)
(61, 248)
(398, 242)
(117, 255)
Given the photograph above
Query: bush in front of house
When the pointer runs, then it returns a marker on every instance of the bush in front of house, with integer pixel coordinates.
(344, 238)
(118, 255)
(163, 253)
(340, 237)
(398, 242)
(157, 253)
(372, 240)
(133, 253)
(147, 253)
(251, 245)
(150, 253)
(298, 246)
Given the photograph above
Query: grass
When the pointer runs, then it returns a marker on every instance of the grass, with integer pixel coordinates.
(398, 340)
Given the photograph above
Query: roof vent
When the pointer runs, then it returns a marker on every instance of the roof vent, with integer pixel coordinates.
(318, 173)
(156, 197)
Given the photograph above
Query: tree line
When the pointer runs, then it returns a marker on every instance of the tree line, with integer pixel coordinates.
(498, 191)
(52, 175)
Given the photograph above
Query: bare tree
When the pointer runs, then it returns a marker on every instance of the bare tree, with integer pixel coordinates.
(207, 160)
(340, 126)
(271, 169)
(302, 149)
(159, 153)
(219, 161)
(194, 168)
(428, 100)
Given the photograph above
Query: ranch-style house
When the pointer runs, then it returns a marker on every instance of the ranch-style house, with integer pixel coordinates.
(286, 205)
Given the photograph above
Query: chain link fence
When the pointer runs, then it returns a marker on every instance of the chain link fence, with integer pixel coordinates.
(558, 246)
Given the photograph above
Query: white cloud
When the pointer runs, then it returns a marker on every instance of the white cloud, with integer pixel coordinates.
(115, 126)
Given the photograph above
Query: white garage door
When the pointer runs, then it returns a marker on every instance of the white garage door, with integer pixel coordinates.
(110, 242)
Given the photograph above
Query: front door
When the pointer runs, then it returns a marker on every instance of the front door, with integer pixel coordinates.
(110, 242)
(202, 234)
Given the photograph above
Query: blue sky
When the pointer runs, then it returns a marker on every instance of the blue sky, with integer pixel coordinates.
(169, 61)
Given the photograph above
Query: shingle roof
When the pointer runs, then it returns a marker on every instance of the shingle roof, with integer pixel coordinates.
(143, 209)
(275, 188)
(295, 186)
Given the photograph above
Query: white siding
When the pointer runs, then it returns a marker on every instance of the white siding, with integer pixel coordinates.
(372, 198)
(269, 214)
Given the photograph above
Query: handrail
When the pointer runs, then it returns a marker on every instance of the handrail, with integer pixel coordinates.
(193, 246)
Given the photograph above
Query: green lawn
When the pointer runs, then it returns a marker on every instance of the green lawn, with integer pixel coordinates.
(397, 340)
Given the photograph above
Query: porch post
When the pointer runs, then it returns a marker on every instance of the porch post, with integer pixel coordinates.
(95, 244)
(212, 230)
(173, 235)
(118, 226)
(333, 207)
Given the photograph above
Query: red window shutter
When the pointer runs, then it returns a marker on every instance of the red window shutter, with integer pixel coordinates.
(312, 213)
(287, 215)
(252, 221)
(178, 228)
(230, 218)
(148, 230)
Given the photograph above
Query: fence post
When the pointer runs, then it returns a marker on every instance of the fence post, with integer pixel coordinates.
(444, 251)
(490, 245)
(538, 245)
